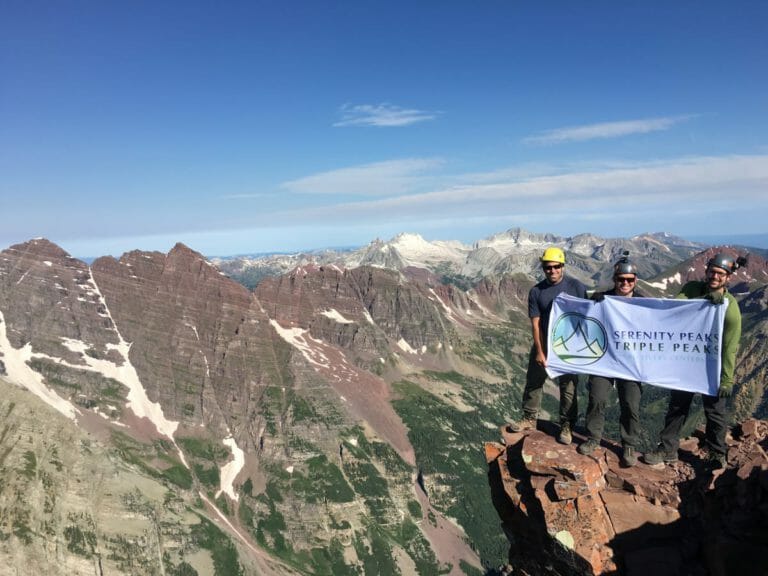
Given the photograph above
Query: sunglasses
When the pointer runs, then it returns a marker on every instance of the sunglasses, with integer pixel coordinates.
(625, 279)
(552, 267)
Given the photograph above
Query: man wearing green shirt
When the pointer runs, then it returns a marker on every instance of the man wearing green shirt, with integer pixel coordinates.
(714, 288)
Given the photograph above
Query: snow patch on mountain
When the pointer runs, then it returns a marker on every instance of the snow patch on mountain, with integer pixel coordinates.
(336, 316)
(506, 244)
(231, 469)
(664, 283)
(405, 347)
(448, 311)
(304, 343)
(20, 373)
(126, 374)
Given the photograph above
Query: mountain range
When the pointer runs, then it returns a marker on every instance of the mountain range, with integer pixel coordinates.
(513, 251)
(308, 414)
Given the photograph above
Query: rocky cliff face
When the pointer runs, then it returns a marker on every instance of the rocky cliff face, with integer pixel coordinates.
(47, 297)
(269, 407)
(199, 341)
(569, 514)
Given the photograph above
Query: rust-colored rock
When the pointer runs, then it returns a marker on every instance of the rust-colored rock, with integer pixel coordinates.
(571, 514)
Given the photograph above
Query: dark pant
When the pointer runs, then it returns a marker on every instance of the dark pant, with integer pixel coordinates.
(630, 393)
(534, 384)
(715, 410)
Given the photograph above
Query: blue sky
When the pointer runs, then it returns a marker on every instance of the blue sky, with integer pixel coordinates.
(242, 127)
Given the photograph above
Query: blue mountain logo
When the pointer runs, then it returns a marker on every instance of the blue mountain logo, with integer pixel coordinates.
(579, 340)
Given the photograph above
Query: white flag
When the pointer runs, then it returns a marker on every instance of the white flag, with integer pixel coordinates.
(669, 343)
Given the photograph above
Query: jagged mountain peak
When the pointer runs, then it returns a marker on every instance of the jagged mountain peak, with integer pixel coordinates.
(513, 251)
(40, 248)
(408, 237)
(181, 249)
(516, 239)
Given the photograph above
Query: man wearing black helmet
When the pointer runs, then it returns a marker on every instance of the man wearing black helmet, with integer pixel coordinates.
(540, 300)
(629, 391)
(715, 289)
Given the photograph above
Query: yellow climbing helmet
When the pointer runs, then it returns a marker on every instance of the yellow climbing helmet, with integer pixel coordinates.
(553, 254)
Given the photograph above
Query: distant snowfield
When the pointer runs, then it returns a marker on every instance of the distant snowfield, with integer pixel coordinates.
(506, 244)
(415, 250)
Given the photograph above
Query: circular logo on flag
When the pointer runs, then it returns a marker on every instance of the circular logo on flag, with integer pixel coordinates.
(579, 340)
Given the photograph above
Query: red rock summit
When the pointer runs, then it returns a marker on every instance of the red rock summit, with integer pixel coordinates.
(569, 514)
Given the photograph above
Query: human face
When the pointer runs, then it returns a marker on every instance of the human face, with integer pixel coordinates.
(717, 278)
(553, 271)
(624, 285)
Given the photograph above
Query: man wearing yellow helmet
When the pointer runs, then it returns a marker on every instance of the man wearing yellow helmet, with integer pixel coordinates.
(540, 300)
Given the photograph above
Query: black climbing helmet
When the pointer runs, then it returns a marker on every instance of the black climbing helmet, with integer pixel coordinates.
(726, 262)
(624, 266)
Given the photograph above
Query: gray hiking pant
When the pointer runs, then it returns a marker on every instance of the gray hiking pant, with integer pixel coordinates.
(534, 386)
(715, 411)
(629, 393)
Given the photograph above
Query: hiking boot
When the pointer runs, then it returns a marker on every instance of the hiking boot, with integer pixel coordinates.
(628, 457)
(660, 456)
(716, 460)
(524, 424)
(586, 448)
(565, 434)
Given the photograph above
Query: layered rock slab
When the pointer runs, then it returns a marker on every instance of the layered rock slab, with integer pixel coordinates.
(565, 513)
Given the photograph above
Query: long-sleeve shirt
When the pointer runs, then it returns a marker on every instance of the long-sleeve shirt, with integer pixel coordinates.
(731, 330)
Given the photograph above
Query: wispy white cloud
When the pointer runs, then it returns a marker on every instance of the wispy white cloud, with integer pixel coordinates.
(687, 195)
(381, 178)
(381, 115)
(605, 130)
(695, 188)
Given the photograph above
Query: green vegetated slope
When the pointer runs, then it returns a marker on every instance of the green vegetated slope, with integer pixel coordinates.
(447, 441)
(450, 415)
(347, 504)
(344, 513)
(123, 509)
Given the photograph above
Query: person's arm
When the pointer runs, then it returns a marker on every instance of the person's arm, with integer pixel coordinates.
(690, 291)
(541, 358)
(731, 338)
